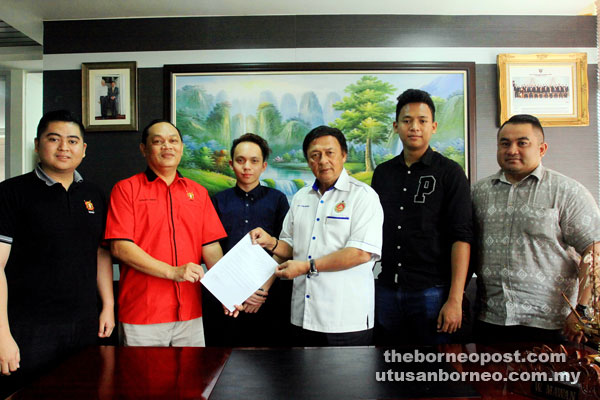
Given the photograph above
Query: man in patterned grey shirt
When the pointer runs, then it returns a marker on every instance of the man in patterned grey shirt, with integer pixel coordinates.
(527, 217)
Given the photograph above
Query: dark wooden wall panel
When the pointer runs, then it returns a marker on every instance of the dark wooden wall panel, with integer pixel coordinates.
(154, 34)
(487, 118)
(444, 31)
(312, 31)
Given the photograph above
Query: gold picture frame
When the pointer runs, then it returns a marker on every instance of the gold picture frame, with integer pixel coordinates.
(109, 96)
(553, 87)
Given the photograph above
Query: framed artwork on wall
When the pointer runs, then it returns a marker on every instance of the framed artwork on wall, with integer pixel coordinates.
(109, 96)
(214, 104)
(553, 87)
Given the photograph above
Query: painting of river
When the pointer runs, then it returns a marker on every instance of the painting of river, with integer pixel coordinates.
(213, 109)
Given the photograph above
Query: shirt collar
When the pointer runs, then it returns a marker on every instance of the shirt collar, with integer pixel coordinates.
(342, 183)
(426, 158)
(257, 192)
(537, 173)
(49, 181)
(151, 175)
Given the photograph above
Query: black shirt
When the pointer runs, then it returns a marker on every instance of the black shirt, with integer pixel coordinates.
(240, 212)
(427, 207)
(54, 236)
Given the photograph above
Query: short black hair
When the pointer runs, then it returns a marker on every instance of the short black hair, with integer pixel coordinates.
(58, 116)
(324, 130)
(415, 96)
(251, 137)
(524, 119)
(154, 122)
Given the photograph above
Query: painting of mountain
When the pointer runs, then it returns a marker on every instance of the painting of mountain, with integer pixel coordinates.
(212, 110)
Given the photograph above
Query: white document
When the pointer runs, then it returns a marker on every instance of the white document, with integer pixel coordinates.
(239, 273)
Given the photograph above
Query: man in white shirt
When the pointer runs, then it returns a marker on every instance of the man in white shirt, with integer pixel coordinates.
(331, 239)
(101, 92)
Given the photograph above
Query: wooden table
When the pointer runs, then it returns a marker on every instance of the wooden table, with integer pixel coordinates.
(195, 373)
(108, 372)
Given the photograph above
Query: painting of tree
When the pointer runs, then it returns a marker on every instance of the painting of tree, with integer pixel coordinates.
(366, 114)
(213, 109)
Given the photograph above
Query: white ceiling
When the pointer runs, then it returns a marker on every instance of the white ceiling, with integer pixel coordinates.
(28, 15)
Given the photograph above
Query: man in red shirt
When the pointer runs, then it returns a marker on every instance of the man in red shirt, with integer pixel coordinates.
(162, 226)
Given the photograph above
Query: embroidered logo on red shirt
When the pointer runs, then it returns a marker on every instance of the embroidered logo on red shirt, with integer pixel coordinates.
(89, 205)
(190, 195)
(340, 207)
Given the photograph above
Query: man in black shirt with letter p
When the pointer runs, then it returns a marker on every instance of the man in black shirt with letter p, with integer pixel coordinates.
(427, 231)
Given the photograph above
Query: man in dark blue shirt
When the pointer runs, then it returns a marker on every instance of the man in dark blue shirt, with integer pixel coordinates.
(242, 208)
(427, 231)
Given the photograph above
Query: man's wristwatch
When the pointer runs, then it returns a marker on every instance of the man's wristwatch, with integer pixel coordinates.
(313, 268)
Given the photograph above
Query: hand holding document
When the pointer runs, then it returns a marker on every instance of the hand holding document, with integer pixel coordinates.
(239, 273)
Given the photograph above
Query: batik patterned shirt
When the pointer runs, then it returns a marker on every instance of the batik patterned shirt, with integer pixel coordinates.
(525, 231)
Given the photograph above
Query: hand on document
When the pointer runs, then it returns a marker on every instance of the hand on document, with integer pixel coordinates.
(235, 312)
(292, 268)
(235, 278)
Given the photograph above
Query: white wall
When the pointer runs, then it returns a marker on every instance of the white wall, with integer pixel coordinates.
(2, 125)
(33, 113)
(24, 96)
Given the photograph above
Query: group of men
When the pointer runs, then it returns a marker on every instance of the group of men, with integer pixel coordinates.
(417, 218)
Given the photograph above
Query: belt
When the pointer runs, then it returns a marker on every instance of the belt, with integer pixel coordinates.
(389, 278)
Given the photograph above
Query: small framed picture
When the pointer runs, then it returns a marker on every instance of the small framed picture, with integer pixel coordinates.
(553, 87)
(109, 96)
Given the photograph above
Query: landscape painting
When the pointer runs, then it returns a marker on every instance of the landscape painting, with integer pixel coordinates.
(212, 109)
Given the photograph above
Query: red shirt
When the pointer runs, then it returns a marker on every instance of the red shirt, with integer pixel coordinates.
(171, 223)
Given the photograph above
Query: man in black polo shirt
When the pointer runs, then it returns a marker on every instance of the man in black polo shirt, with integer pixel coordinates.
(427, 231)
(51, 265)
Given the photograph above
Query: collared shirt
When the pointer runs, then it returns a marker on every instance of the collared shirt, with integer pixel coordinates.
(346, 215)
(427, 208)
(54, 235)
(171, 223)
(39, 172)
(525, 230)
(241, 211)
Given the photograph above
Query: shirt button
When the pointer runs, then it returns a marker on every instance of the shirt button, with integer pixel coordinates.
(399, 227)
(401, 208)
(309, 257)
(308, 296)
(399, 264)
(314, 237)
(246, 194)
(398, 247)
(321, 201)
(247, 205)
(246, 221)
(404, 189)
(318, 219)
(408, 172)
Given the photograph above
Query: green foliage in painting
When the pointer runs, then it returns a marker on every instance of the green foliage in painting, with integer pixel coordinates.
(366, 114)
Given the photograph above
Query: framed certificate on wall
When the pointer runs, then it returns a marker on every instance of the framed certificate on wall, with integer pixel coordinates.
(553, 87)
